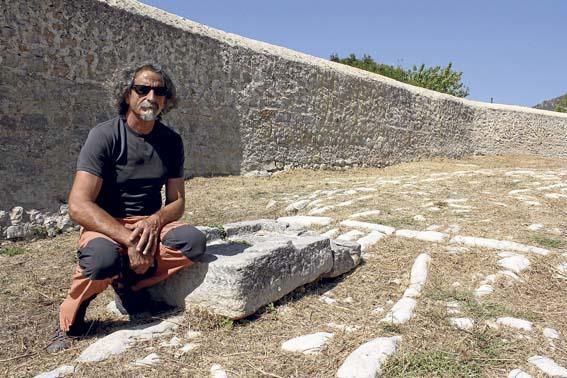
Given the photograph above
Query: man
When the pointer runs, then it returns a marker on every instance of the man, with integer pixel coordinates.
(128, 238)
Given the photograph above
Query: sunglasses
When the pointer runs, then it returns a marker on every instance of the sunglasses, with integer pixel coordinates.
(143, 90)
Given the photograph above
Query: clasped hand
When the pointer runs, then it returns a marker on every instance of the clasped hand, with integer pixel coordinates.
(143, 243)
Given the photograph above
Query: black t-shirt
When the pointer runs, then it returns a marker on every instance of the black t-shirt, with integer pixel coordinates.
(133, 167)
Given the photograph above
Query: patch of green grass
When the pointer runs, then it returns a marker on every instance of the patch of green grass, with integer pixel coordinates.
(226, 323)
(547, 242)
(470, 306)
(431, 364)
(11, 251)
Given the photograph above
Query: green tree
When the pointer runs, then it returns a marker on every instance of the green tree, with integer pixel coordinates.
(561, 105)
(440, 79)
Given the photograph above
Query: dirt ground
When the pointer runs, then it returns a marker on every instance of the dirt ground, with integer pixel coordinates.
(489, 197)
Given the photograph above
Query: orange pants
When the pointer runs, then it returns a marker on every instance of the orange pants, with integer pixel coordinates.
(178, 243)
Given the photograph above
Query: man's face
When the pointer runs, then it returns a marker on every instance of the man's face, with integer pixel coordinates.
(146, 106)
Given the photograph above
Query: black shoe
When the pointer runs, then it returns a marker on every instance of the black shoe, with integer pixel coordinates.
(61, 340)
(137, 303)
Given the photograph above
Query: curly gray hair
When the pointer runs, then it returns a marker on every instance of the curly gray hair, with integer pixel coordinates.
(124, 79)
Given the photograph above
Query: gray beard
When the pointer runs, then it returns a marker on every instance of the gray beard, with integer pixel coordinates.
(148, 115)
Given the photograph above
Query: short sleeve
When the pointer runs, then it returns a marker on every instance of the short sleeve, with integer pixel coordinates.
(178, 159)
(94, 153)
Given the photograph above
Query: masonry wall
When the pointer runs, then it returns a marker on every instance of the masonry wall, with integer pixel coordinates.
(245, 105)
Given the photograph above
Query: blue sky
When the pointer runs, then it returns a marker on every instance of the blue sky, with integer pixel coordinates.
(514, 51)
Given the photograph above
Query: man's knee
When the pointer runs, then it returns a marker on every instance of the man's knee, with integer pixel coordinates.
(99, 259)
(186, 239)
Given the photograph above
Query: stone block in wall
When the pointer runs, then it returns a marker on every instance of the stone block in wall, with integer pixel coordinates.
(17, 215)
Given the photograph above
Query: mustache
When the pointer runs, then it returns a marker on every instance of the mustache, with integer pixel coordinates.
(148, 104)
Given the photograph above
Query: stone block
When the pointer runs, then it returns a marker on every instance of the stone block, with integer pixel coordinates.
(236, 279)
(346, 257)
(249, 227)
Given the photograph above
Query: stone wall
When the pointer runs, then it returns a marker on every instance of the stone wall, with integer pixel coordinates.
(245, 105)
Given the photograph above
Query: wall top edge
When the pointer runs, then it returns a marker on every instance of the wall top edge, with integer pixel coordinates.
(182, 23)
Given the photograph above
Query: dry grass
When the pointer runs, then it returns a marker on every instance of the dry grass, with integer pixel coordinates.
(34, 277)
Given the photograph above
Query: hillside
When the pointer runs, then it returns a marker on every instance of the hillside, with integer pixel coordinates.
(549, 104)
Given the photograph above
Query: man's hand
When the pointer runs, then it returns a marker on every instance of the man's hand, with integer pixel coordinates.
(139, 263)
(145, 234)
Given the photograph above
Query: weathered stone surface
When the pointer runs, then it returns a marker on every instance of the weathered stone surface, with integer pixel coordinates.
(61, 371)
(248, 227)
(305, 221)
(20, 231)
(120, 341)
(367, 360)
(346, 257)
(236, 279)
(307, 344)
(17, 215)
(212, 233)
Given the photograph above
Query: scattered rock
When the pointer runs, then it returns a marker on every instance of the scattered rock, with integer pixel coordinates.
(462, 323)
(149, 360)
(369, 240)
(515, 263)
(522, 324)
(548, 366)
(550, 333)
(296, 206)
(308, 344)
(61, 371)
(431, 236)
(271, 204)
(346, 257)
(186, 349)
(351, 235)
(217, 371)
(120, 341)
(369, 226)
(535, 227)
(368, 213)
(517, 373)
(367, 359)
(483, 290)
(344, 328)
(419, 218)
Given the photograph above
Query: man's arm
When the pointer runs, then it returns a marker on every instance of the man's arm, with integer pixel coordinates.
(148, 229)
(84, 211)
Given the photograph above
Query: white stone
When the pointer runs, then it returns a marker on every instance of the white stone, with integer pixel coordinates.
(369, 240)
(351, 235)
(175, 341)
(516, 264)
(431, 236)
(296, 206)
(320, 210)
(217, 371)
(522, 324)
(149, 360)
(462, 323)
(186, 348)
(61, 371)
(119, 341)
(419, 218)
(472, 241)
(306, 221)
(418, 275)
(369, 226)
(483, 290)
(367, 360)
(366, 190)
(517, 373)
(562, 268)
(548, 366)
(271, 204)
(550, 333)
(535, 227)
(307, 344)
(327, 300)
(365, 214)
(555, 195)
(401, 312)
